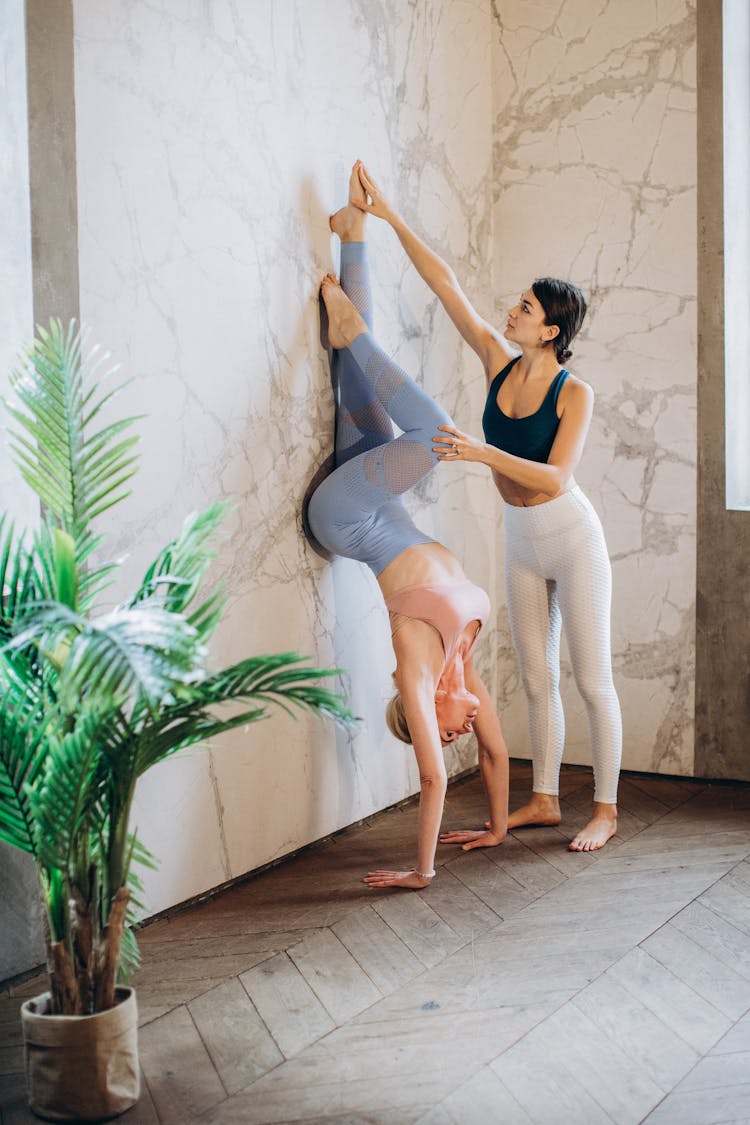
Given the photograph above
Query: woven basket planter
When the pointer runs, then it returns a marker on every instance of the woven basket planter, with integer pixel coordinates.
(81, 1068)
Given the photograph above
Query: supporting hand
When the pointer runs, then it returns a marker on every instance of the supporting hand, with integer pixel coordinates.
(409, 879)
(454, 445)
(469, 838)
(378, 205)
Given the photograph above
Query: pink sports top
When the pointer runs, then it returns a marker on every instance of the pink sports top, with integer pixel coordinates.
(448, 607)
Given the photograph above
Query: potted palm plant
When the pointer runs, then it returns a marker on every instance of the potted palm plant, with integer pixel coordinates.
(92, 696)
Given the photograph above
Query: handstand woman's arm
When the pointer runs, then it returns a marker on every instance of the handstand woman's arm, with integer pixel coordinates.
(418, 698)
(477, 332)
(493, 766)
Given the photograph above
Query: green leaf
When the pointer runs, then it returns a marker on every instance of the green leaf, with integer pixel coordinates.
(58, 392)
(66, 576)
(24, 745)
(63, 798)
(178, 570)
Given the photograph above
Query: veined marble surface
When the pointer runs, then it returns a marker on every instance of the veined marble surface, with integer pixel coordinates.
(594, 180)
(213, 141)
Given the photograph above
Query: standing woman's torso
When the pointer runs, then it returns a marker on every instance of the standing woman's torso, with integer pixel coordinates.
(530, 434)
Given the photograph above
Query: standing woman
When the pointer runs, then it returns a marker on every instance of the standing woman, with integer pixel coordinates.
(557, 569)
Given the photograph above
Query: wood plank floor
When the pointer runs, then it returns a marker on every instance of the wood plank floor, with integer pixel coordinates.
(528, 984)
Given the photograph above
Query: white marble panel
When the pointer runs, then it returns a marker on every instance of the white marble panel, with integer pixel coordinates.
(594, 173)
(213, 141)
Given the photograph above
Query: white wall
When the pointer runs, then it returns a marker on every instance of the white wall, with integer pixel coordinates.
(213, 141)
(595, 180)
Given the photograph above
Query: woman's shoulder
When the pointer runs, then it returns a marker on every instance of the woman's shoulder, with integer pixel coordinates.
(418, 649)
(575, 391)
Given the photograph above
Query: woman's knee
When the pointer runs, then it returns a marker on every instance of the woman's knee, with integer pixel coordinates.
(431, 416)
(539, 681)
(318, 513)
(596, 692)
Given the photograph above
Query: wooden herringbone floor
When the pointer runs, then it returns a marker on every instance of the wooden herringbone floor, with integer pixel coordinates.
(528, 984)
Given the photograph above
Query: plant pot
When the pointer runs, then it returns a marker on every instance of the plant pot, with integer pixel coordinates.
(81, 1068)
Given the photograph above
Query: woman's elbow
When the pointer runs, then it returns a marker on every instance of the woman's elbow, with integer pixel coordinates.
(433, 782)
(557, 481)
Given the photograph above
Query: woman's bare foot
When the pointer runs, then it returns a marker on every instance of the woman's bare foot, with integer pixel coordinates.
(542, 809)
(599, 829)
(344, 322)
(349, 222)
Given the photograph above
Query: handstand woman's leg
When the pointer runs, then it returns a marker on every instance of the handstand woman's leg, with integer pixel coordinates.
(362, 423)
(367, 482)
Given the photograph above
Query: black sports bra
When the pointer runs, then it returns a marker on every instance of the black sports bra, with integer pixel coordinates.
(532, 436)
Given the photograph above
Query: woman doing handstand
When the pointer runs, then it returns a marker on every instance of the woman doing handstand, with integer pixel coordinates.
(557, 569)
(435, 612)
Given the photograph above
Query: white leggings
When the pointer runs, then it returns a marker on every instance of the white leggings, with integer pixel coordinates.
(557, 572)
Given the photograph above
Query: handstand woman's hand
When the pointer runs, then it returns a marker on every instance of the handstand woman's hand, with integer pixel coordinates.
(469, 838)
(378, 205)
(408, 879)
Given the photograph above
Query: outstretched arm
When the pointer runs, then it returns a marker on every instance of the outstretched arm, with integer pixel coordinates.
(419, 704)
(489, 345)
(493, 766)
(577, 401)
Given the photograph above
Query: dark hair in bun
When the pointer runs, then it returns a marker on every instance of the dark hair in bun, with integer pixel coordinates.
(565, 306)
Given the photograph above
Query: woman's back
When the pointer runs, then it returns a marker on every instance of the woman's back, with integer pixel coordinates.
(424, 564)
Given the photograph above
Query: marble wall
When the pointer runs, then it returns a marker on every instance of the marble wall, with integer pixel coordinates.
(213, 141)
(595, 179)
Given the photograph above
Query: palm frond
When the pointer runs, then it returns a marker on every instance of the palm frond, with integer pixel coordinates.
(130, 954)
(76, 475)
(279, 679)
(63, 796)
(143, 650)
(176, 573)
(261, 680)
(24, 731)
(18, 576)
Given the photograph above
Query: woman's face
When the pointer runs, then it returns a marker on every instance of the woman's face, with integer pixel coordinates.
(456, 709)
(526, 325)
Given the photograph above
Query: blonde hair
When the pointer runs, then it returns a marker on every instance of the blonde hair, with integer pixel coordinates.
(395, 718)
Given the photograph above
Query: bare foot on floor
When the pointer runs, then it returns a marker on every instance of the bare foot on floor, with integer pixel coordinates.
(599, 829)
(543, 809)
(344, 322)
(349, 222)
